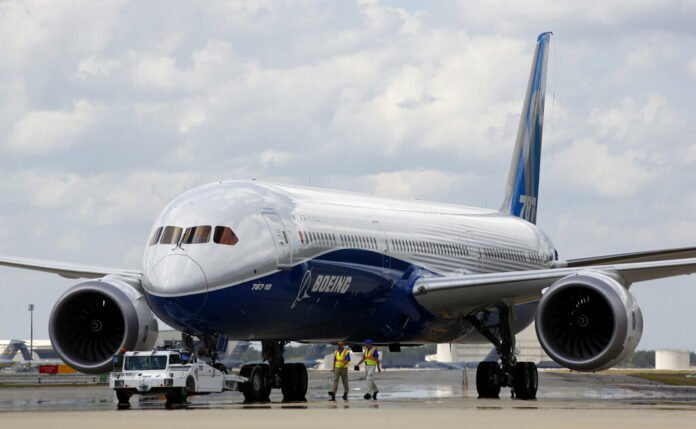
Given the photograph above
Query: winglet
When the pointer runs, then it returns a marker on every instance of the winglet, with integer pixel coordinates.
(522, 188)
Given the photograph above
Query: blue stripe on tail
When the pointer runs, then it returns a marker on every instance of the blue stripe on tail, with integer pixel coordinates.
(523, 179)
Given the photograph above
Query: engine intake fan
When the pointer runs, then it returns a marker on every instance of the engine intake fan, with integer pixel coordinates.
(588, 322)
(93, 320)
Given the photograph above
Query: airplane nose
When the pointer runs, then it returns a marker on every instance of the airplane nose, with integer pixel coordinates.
(177, 274)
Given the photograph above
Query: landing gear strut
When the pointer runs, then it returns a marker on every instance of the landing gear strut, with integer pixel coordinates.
(521, 377)
(291, 378)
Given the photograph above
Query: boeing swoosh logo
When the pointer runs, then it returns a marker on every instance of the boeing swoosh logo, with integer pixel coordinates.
(304, 288)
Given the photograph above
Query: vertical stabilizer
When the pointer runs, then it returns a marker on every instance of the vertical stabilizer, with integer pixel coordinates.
(523, 179)
(11, 350)
(26, 354)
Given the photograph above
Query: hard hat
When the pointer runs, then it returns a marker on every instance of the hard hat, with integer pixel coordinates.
(368, 342)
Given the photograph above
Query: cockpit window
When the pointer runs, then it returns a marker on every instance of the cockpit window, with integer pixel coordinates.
(156, 236)
(170, 235)
(197, 234)
(224, 235)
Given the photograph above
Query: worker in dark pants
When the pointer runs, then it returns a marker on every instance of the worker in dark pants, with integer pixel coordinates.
(340, 368)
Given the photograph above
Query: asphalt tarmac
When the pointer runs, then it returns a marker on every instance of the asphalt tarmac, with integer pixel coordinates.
(408, 398)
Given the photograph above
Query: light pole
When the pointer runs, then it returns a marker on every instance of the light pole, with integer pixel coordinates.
(31, 338)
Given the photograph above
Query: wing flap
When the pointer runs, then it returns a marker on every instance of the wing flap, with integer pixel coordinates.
(67, 270)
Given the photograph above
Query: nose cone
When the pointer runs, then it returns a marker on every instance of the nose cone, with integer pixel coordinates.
(176, 275)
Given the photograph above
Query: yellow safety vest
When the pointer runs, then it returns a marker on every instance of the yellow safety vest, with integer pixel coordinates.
(341, 357)
(369, 358)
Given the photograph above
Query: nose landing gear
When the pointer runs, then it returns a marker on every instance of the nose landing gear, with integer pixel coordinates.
(521, 377)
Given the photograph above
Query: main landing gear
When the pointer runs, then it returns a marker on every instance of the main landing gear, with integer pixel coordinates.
(521, 377)
(290, 378)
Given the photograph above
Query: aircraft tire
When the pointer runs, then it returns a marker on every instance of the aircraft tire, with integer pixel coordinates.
(294, 382)
(257, 388)
(288, 384)
(525, 379)
(487, 374)
(302, 382)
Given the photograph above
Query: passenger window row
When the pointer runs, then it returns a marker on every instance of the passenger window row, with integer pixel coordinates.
(360, 241)
(452, 249)
(307, 218)
(512, 255)
(329, 239)
(318, 238)
(324, 239)
(193, 235)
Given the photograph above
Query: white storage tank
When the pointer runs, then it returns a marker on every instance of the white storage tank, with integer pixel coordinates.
(671, 359)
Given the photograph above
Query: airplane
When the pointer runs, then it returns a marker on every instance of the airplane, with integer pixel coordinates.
(313, 356)
(234, 358)
(7, 356)
(277, 263)
(492, 356)
(310, 360)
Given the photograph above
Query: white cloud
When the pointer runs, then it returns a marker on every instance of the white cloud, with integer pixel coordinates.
(33, 31)
(634, 122)
(691, 154)
(641, 58)
(190, 121)
(276, 158)
(420, 184)
(49, 130)
(691, 68)
(158, 73)
(209, 67)
(104, 199)
(95, 67)
(589, 165)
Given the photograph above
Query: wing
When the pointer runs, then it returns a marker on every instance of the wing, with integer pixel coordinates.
(650, 256)
(452, 296)
(67, 270)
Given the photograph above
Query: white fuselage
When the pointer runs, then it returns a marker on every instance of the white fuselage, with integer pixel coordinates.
(281, 228)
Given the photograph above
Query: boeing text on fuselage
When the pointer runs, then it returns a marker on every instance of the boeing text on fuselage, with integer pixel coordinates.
(322, 284)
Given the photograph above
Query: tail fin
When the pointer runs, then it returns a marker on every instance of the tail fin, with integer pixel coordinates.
(523, 179)
(316, 352)
(11, 350)
(25, 352)
(240, 348)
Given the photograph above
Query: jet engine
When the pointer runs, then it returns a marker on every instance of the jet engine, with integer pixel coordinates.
(588, 322)
(95, 319)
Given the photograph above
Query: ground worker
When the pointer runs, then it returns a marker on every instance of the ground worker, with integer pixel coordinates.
(371, 359)
(341, 363)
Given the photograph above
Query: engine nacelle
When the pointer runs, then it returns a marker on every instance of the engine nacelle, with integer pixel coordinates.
(588, 322)
(95, 319)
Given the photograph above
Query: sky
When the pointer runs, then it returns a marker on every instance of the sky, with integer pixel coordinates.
(110, 109)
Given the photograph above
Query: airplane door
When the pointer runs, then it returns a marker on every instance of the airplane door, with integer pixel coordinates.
(280, 240)
(474, 251)
(383, 246)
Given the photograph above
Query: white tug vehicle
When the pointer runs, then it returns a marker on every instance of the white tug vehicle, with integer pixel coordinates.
(174, 373)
